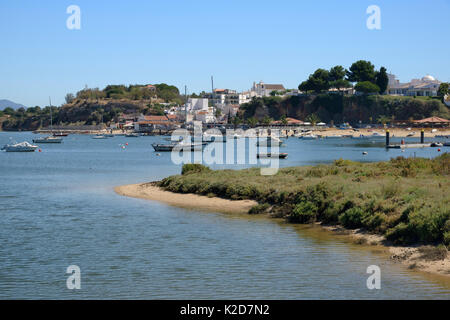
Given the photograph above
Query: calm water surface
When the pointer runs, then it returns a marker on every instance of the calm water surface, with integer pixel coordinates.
(58, 208)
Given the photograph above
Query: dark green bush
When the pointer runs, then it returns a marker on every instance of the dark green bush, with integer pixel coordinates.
(352, 218)
(259, 208)
(194, 168)
(304, 212)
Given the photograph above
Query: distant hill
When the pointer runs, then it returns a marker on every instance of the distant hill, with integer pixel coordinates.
(7, 103)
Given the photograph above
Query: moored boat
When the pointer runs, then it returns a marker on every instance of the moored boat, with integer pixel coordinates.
(99, 136)
(132, 135)
(178, 147)
(60, 134)
(48, 139)
(308, 137)
(20, 147)
(272, 155)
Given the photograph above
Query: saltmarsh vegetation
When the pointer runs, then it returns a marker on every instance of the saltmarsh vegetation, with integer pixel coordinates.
(405, 199)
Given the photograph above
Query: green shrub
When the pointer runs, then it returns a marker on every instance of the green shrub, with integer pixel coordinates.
(194, 168)
(259, 208)
(304, 212)
(400, 234)
(352, 218)
(447, 239)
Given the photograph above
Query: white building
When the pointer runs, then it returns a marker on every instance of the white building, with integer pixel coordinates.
(195, 104)
(427, 86)
(205, 116)
(262, 89)
(227, 96)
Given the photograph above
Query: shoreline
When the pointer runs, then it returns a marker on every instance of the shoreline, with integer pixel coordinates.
(149, 191)
(324, 132)
(411, 257)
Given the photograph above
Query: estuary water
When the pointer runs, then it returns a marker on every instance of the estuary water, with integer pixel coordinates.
(58, 208)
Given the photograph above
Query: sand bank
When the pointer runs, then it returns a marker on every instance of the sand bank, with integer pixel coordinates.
(149, 191)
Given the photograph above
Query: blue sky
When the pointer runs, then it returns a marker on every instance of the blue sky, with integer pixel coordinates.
(185, 42)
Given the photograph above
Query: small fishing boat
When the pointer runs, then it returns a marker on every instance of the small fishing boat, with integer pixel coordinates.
(132, 135)
(60, 134)
(361, 136)
(272, 155)
(48, 139)
(99, 136)
(20, 147)
(269, 141)
(412, 134)
(377, 135)
(178, 147)
(308, 137)
(436, 144)
(334, 136)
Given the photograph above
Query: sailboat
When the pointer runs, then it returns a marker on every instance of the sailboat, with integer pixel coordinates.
(51, 138)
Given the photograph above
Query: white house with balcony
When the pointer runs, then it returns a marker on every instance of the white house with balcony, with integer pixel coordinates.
(428, 86)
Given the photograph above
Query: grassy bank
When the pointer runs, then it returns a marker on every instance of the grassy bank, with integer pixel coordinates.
(406, 200)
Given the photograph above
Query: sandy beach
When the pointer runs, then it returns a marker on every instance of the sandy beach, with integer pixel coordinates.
(394, 132)
(149, 191)
(413, 258)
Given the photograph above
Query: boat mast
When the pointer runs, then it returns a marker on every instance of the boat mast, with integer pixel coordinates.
(185, 106)
(213, 96)
(51, 115)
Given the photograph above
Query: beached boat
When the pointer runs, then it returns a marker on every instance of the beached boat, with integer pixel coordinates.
(48, 139)
(272, 155)
(20, 147)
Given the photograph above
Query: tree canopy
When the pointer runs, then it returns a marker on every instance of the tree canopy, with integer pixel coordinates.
(367, 87)
(382, 80)
(361, 71)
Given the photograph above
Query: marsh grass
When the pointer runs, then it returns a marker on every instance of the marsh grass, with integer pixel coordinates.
(405, 199)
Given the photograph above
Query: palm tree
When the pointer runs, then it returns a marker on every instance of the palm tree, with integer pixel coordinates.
(313, 118)
(252, 122)
(267, 120)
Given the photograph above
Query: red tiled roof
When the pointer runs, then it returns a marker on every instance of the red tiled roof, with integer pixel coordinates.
(432, 120)
(156, 118)
(289, 121)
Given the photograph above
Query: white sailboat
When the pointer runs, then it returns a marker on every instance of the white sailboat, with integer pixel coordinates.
(51, 138)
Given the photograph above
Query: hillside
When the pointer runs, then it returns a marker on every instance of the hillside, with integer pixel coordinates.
(91, 106)
(348, 108)
(10, 104)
